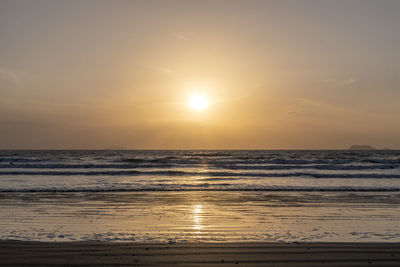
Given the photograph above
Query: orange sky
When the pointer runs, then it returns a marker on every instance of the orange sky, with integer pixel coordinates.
(277, 74)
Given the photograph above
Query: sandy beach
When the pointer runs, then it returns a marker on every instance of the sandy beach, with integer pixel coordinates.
(15, 253)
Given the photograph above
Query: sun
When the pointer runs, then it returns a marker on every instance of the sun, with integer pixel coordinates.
(198, 102)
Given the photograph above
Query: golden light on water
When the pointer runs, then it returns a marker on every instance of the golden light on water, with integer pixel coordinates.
(197, 217)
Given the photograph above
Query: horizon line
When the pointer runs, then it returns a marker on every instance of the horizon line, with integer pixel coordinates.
(190, 149)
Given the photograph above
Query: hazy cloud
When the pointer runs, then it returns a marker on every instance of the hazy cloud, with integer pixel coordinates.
(338, 82)
(181, 36)
(8, 78)
(158, 68)
(328, 81)
(162, 69)
(292, 112)
(349, 81)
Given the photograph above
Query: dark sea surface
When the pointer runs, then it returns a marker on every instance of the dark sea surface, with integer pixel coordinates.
(217, 196)
(64, 171)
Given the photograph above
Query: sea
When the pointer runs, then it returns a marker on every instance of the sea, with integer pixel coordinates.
(200, 195)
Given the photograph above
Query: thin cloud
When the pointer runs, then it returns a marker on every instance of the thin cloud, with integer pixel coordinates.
(338, 82)
(349, 81)
(9, 77)
(157, 68)
(292, 112)
(328, 81)
(181, 36)
(162, 69)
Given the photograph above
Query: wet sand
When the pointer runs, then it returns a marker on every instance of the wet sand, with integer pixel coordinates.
(16, 253)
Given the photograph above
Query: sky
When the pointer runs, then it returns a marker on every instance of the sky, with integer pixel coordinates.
(275, 74)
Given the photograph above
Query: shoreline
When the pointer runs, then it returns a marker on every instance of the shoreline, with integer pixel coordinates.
(201, 216)
(85, 253)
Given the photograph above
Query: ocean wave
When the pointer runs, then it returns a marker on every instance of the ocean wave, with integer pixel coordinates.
(221, 166)
(205, 174)
(316, 167)
(22, 159)
(213, 154)
(151, 160)
(206, 187)
(255, 160)
(104, 171)
(218, 166)
(83, 166)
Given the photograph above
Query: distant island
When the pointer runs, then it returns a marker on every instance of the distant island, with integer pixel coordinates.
(361, 147)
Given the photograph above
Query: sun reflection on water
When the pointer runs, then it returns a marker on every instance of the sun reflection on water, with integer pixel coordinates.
(197, 212)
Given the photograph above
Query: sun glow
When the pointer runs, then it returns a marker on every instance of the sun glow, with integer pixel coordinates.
(198, 102)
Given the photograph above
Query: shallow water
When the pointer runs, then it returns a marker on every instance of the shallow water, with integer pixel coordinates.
(217, 196)
(201, 216)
